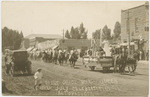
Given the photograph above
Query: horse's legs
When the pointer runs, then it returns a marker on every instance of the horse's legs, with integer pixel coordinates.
(65, 60)
(129, 69)
(73, 63)
(55, 61)
(134, 67)
(61, 62)
(69, 62)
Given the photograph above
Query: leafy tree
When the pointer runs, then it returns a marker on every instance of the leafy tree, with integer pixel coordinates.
(83, 33)
(77, 34)
(11, 39)
(106, 35)
(21, 35)
(67, 35)
(96, 34)
(72, 33)
(117, 31)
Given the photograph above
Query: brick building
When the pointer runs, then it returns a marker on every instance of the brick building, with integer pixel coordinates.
(135, 24)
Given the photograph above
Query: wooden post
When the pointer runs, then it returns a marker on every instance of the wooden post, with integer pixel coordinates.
(128, 31)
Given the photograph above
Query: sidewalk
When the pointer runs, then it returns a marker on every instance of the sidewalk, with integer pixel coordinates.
(143, 62)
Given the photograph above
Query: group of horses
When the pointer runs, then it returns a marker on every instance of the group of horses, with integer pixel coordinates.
(62, 57)
(55, 56)
(124, 60)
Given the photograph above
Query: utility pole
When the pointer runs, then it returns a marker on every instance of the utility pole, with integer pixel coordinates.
(128, 31)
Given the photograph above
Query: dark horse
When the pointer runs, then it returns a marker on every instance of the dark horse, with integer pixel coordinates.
(55, 57)
(66, 57)
(73, 58)
(61, 57)
(45, 57)
(126, 61)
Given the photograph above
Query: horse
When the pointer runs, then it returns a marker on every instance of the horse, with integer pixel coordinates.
(126, 61)
(61, 57)
(132, 62)
(50, 56)
(44, 56)
(73, 58)
(55, 57)
(66, 57)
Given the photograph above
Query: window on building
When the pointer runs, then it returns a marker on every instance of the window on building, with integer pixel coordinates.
(146, 28)
(125, 41)
(132, 33)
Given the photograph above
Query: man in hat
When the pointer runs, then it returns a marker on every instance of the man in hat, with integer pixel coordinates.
(38, 77)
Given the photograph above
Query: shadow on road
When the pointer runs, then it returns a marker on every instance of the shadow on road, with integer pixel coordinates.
(101, 71)
(21, 75)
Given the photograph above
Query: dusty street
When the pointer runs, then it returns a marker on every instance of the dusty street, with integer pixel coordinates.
(64, 80)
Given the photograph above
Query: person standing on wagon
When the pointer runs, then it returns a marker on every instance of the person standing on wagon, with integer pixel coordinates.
(38, 77)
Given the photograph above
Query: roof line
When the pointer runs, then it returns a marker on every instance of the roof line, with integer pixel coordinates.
(133, 7)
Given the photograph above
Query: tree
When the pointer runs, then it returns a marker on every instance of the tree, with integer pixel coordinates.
(106, 35)
(77, 33)
(72, 33)
(117, 31)
(21, 35)
(67, 35)
(96, 34)
(11, 39)
(83, 33)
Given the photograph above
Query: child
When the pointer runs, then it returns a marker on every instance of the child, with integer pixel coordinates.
(38, 76)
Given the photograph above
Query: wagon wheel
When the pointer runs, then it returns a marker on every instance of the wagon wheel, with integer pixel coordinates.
(29, 70)
(92, 68)
(134, 67)
(106, 69)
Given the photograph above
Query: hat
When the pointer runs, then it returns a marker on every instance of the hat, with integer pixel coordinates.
(38, 69)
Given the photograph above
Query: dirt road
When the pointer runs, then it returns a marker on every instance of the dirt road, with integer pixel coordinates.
(64, 80)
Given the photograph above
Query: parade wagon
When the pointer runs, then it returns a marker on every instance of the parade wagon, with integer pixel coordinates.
(92, 62)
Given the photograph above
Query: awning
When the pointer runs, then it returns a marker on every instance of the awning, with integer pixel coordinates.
(55, 47)
(48, 45)
(35, 49)
(30, 49)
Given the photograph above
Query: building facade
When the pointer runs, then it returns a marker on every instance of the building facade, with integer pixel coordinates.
(33, 40)
(75, 44)
(135, 25)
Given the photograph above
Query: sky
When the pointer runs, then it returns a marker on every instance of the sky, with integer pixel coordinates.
(51, 17)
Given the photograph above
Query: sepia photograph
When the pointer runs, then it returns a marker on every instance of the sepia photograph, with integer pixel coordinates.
(75, 48)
